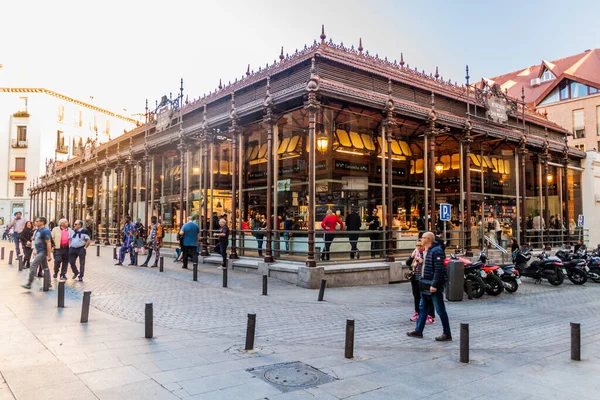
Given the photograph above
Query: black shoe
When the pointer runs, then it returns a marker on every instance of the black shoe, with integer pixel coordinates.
(121, 264)
(415, 334)
(130, 264)
(54, 276)
(357, 255)
(444, 338)
(144, 265)
(63, 278)
(184, 267)
(154, 266)
(75, 276)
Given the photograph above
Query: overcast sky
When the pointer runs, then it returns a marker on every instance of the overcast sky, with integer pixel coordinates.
(122, 52)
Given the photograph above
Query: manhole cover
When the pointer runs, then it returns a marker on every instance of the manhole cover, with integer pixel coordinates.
(291, 376)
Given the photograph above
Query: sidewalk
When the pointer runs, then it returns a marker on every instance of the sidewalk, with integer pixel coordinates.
(520, 342)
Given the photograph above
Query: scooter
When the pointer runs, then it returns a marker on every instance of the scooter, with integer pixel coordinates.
(508, 274)
(575, 265)
(545, 267)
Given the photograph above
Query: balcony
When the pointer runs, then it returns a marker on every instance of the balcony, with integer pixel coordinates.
(62, 148)
(77, 151)
(21, 114)
(19, 144)
(18, 175)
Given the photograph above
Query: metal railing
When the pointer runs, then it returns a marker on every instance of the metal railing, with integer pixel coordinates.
(64, 149)
(540, 238)
(19, 144)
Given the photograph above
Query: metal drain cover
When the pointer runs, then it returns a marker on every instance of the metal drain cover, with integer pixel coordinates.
(291, 376)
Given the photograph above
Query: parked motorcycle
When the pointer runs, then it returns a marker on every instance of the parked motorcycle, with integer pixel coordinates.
(575, 265)
(545, 267)
(473, 276)
(592, 262)
(508, 274)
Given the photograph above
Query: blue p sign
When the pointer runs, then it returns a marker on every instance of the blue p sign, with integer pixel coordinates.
(445, 211)
(580, 221)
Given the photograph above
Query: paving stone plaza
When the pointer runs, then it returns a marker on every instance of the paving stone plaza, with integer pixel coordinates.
(520, 343)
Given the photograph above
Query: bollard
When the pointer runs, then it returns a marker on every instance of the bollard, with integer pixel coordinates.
(85, 307)
(135, 259)
(464, 343)
(46, 279)
(224, 277)
(469, 290)
(114, 253)
(322, 289)
(349, 353)
(2, 253)
(195, 272)
(61, 294)
(20, 264)
(162, 264)
(575, 341)
(250, 330)
(10, 257)
(149, 321)
(264, 292)
(98, 250)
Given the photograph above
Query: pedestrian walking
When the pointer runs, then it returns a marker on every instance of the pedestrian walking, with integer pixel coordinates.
(432, 283)
(374, 223)
(189, 233)
(415, 261)
(258, 229)
(155, 239)
(353, 223)
(329, 224)
(17, 225)
(288, 225)
(26, 238)
(223, 237)
(128, 244)
(60, 244)
(43, 248)
(79, 240)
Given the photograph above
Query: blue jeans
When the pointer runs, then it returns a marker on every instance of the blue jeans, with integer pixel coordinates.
(440, 308)
(16, 240)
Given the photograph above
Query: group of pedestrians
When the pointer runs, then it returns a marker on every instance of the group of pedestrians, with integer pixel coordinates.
(67, 245)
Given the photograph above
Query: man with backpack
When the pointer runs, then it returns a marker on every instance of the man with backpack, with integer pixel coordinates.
(154, 242)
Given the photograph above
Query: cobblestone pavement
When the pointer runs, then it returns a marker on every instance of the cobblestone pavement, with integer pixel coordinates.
(519, 342)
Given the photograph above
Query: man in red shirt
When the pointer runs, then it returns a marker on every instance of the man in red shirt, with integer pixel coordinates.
(329, 223)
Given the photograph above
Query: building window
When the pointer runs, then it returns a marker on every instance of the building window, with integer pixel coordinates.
(60, 143)
(578, 124)
(21, 133)
(578, 90)
(547, 76)
(61, 113)
(20, 164)
(108, 128)
(80, 118)
(580, 146)
(19, 189)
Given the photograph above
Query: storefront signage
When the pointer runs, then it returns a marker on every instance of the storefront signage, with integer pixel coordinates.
(497, 110)
(169, 199)
(499, 183)
(163, 119)
(350, 166)
(401, 172)
(283, 185)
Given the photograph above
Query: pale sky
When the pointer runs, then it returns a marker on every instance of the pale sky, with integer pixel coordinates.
(122, 52)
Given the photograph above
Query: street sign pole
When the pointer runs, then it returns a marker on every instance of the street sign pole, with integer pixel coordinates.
(445, 213)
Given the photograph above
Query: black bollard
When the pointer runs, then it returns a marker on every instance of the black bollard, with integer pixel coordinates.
(464, 343)
(195, 272)
(46, 279)
(98, 250)
(250, 330)
(162, 264)
(114, 253)
(61, 294)
(10, 257)
(85, 306)
(2, 253)
(20, 264)
(135, 259)
(469, 290)
(264, 293)
(224, 277)
(349, 352)
(575, 341)
(322, 289)
(149, 321)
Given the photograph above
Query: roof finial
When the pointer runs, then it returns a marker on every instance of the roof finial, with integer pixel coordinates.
(523, 94)
(323, 37)
(313, 70)
(281, 57)
(467, 75)
(437, 74)
(401, 60)
(360, 46)
(248, 70)
(220, 84)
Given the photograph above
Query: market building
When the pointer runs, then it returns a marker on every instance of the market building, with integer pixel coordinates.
(332, 128)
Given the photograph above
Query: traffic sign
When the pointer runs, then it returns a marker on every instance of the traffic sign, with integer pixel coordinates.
(580, 221)
(445, 211)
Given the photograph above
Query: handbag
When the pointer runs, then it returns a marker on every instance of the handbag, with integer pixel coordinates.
(425, 285)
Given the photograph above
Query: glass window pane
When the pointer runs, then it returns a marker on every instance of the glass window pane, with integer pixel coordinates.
(343, 138)
(564, 90)
(405, 148)
(578, 90)
(356, 142)
(368, 141)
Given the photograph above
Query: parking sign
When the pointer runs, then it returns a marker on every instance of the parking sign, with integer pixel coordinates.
(580, 221)
(445, 211)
